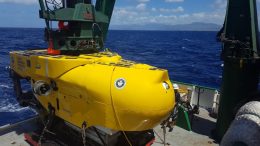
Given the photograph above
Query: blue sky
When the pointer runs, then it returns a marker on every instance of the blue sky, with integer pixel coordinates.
(24, 13)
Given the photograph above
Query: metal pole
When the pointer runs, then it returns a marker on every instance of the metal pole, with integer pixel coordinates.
(241, 60)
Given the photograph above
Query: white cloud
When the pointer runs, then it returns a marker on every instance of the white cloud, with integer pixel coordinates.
(173, 1)
(154, 9)
(141, 7)
(129, 16)
(184, 16)
(199, 15)
(212, 17)
(220, 4)
(176, 10)
(19, 1)
(143, 1)
(124, 11)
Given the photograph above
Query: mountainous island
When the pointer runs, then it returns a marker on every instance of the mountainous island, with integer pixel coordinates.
(195, 26)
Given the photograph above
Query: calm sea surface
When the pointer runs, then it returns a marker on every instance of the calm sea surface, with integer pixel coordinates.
(192, 57)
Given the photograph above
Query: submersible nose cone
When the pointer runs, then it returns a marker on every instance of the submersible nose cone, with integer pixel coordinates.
(141, 98)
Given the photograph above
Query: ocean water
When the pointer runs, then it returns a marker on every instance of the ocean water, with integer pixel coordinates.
(191, 57)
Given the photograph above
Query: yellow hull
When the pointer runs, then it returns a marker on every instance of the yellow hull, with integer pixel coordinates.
(100, 89)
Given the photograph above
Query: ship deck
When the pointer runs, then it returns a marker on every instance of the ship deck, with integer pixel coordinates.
(202, 125)
(13, 135)
(200, 135)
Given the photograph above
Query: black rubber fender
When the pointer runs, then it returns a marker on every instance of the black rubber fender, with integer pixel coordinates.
(245, 129)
